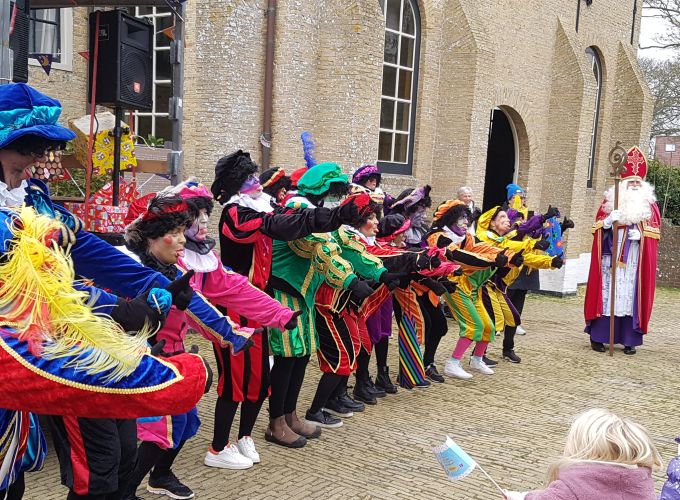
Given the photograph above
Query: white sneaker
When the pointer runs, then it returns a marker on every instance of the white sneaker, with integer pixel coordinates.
(520, 331)
(228, 458)
(246, 446)
(478, 365)
(452, 368)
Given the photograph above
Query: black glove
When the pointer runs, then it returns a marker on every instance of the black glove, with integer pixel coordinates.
(434, 285)
(542, 245)
(360, 289)
(501, 260)
(517, 259)
(557, 262)
(157, 348)
(132, 314)
(458, 272)
(181, 291)
(425, 261)
(390, 280)
(293, 321)
(567, 223)
(448, 284)
(552, 212)
(443, 241)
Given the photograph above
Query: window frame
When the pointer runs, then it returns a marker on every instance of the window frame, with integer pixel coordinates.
(592, 157)
(65, 27)
(154, 114)
(391, 167)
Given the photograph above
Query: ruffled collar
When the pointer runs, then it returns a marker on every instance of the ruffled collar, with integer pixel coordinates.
(369, 240)
(262, 204)
(12, 197)
(201, 263)
(202, 247)
(167, 270)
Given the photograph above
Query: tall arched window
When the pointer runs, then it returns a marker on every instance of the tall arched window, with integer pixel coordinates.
(399, 86)
(596, 66)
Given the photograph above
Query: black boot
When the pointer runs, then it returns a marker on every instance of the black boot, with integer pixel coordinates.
(378, 392)
(630, 350)
(362, 392)
(597, 346)
(383, 381)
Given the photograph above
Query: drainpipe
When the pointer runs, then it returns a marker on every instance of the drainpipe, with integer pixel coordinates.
(266, 137)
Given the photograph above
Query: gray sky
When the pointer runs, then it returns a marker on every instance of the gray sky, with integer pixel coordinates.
(652, 26)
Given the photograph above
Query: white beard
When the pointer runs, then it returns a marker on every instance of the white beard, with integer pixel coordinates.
(635, 205)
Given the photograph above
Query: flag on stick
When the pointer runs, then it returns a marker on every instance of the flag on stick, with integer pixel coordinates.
(456, 463)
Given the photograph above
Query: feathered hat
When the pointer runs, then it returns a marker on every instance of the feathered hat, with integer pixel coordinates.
(365, 172)
(230, 173)
(410, 199)
(318, 180)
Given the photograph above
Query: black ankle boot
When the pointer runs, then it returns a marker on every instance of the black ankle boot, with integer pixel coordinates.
(597, 346)
(383, 381)
(362, 392)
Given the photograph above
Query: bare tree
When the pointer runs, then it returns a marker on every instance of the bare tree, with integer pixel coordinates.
(663, 78)
(669, 11)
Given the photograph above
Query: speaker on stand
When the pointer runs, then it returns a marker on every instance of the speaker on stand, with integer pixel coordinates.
(18, 40)
(123, 46)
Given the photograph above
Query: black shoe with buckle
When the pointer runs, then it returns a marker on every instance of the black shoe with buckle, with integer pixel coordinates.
(432, 373)
(630, 350)
(489, 362)
(170, 486)
(597, 346)
(345, 400)
(511, 356)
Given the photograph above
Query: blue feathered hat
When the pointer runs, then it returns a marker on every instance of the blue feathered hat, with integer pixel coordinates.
(25, 111)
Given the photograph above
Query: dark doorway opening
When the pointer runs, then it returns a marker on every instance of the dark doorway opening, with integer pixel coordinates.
(500, 159)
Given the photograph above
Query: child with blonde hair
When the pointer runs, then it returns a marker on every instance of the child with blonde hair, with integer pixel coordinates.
(605, 457)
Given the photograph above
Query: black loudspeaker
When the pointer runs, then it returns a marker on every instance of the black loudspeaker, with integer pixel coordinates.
(18, 40)
(124, 72)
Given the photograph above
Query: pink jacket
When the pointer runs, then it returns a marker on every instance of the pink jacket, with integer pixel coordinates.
(593, 481)
(228, 289)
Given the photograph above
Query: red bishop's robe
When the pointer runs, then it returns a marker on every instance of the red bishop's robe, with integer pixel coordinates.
(646, 285)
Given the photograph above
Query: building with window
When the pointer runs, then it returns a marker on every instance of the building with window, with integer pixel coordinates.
(448, 93)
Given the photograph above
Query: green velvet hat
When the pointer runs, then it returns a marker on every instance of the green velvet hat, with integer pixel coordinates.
(317, 180)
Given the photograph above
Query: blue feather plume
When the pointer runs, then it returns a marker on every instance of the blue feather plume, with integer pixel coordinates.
(308, 147)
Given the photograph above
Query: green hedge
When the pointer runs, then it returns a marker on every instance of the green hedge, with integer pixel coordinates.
(666, 181)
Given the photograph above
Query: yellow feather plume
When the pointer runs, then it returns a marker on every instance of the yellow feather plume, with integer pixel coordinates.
(37, 298)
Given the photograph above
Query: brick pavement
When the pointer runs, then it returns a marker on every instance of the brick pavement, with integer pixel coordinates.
(513, 422)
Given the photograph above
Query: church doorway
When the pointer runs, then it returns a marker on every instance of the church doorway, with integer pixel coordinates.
(502, 158)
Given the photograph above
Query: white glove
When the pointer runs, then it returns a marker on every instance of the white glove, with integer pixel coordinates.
(514, 495)
(634, 234)
(613, 216)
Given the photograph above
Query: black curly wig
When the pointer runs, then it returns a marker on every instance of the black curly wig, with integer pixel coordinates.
(372, 209)
(197, 203)
(163, 215)
(452, 215)
(230, 173)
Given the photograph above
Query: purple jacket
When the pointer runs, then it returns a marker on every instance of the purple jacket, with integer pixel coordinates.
(591, 481)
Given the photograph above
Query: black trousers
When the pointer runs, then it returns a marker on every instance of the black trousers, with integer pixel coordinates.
(287, 376)
(517, 297)
(14, 491)
(96, 455)
(435, 327)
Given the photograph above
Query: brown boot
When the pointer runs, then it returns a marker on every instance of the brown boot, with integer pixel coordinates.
(278, 432)
(302, 426)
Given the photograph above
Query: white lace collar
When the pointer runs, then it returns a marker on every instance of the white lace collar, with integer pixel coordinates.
(200, 263)
(12, 197)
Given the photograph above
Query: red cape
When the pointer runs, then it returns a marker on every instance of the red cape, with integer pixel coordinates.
(650, 231)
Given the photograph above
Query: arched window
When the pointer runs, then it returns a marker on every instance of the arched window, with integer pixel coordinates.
(399, 86)
(596, 66)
